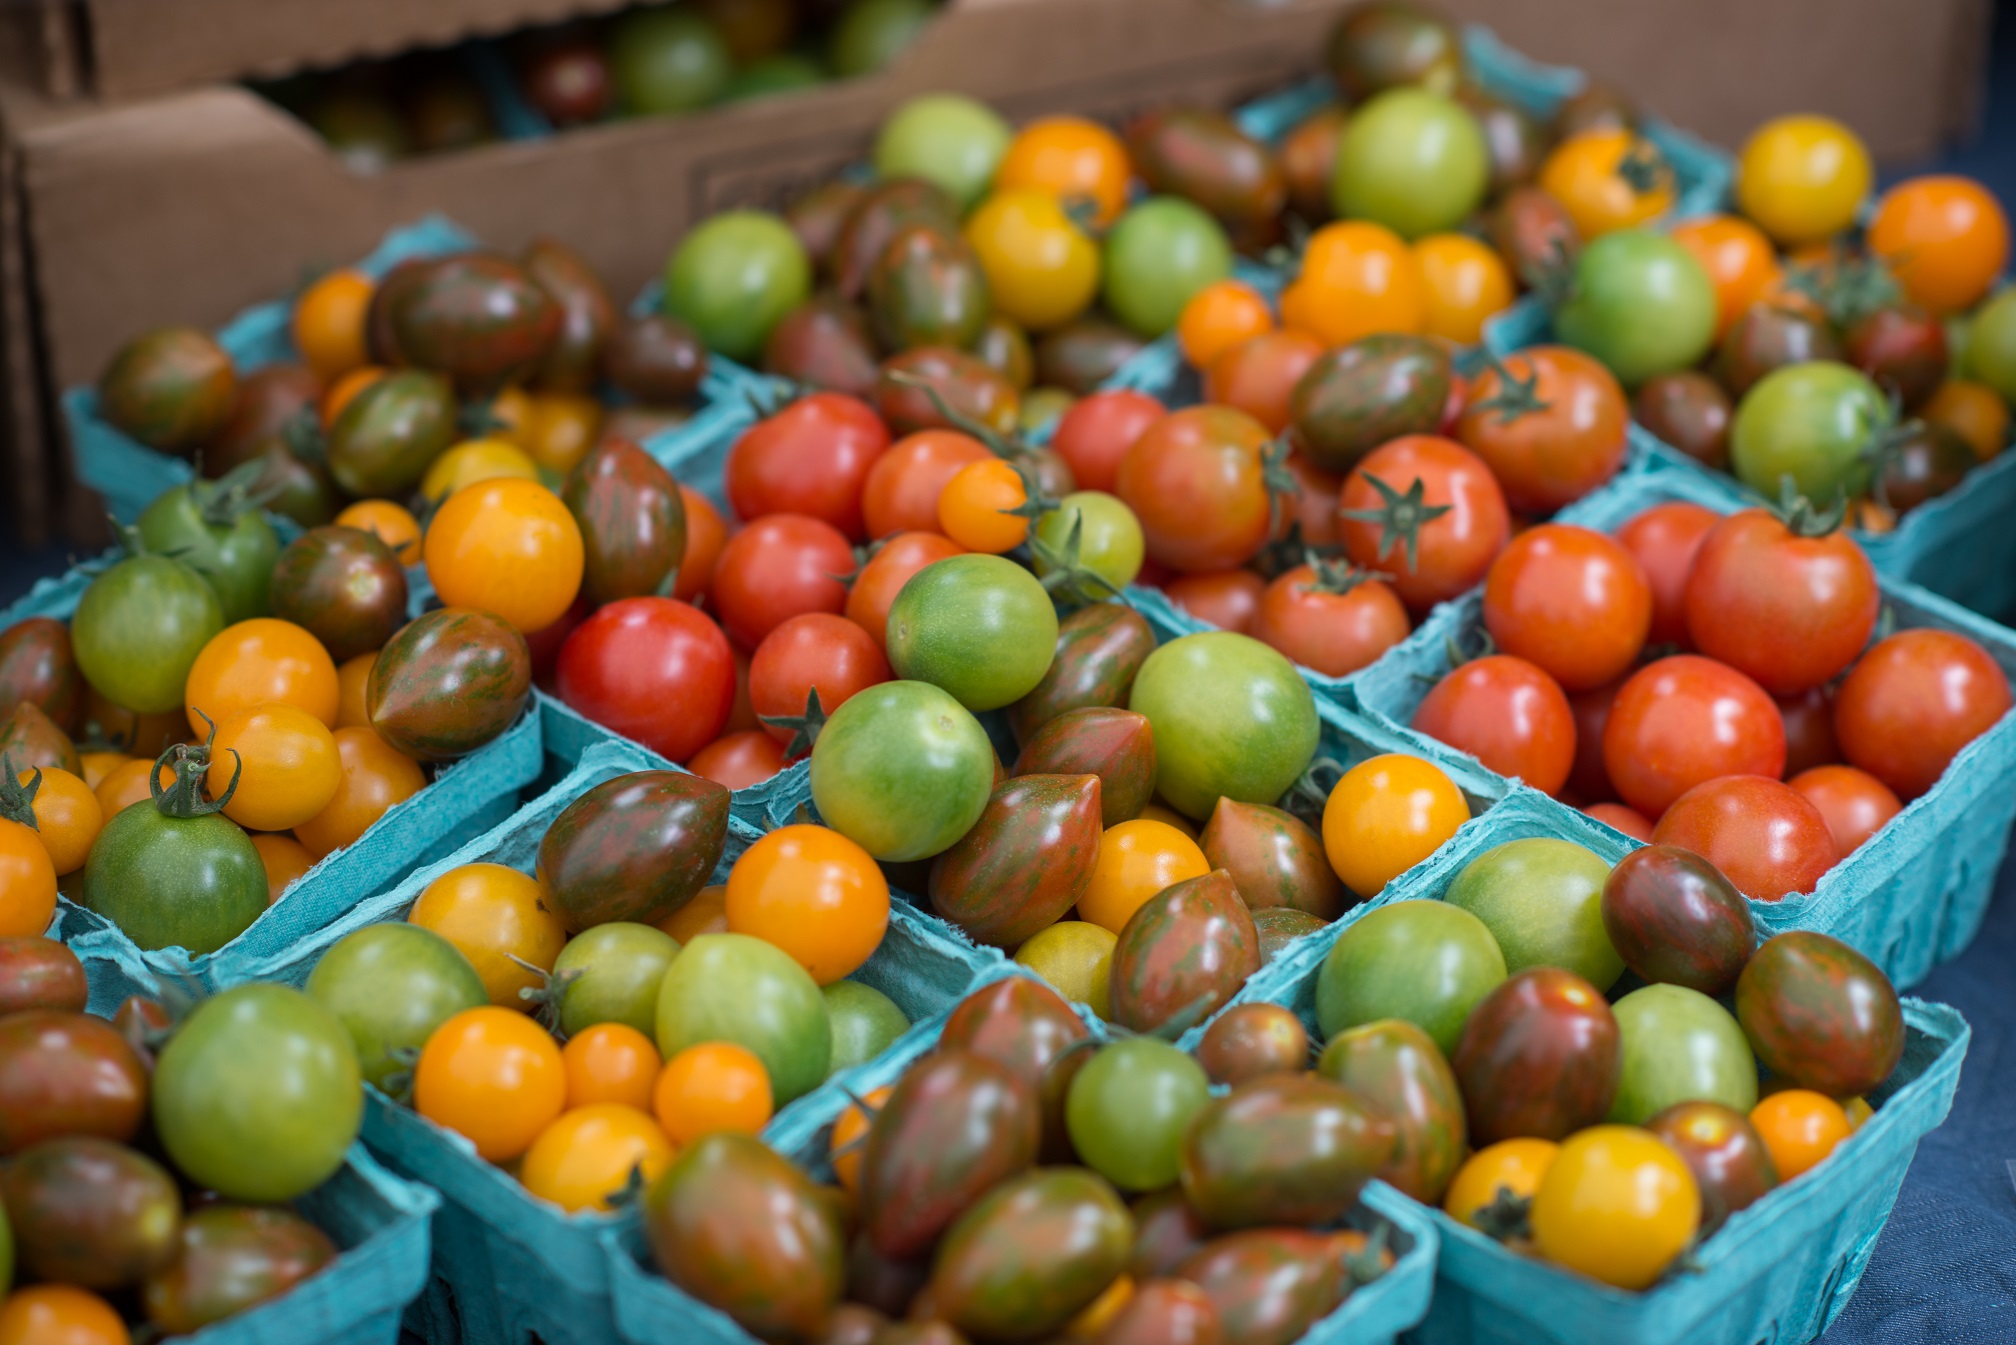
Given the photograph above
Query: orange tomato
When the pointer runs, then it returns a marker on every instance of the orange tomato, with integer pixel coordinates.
(494, 914)
(126, 785)
(706, 534)
(1463, 284)
(853, 1126)
(285, 859)
(492, 1076)
(707, 913)
(345, 389)
(562, 428)
(1515, 1166)
(1945, 238)
(1158, 812)
(59, 1314)
(1219, 317)
(1136, 860)
(905, 483)
(1069, 157)
(974, 508)
(510, 412)
(815, 894)
(1387, 814)
(389, 523)
(376, 776)
(68, 817)
(472, 460)
(353, 679)
(328, 323)
(27, 881)
(589, 1154)
(1357, 278)
(709, 1088)
(1971, 410)
(1737, 257)
(284, 760)
(610, 1062)
(98, 765)
(1588, 175)
(509, 547)
(264, 659)
(1259, 376)
(1800, 1128)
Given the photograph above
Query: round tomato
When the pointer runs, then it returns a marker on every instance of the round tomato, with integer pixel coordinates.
(1973, 411)
(1737, 257)
(1427, 511)
(376, 777)
(1219, 317)
(889, 567)
(285, 860)
(328, 323)
(1913, 702)
(1387, 814)
(589, 1154)
(258, 661)
(1508, 714)
(706, 534)
(902, 489)
(1945, 238)
(903, 769)
(1800, 1129)
(68, 816)
(1802, 178)
(27, 881)
(980, 507)
(776, 568)
(1334, 620)
(1258, 376)
(1227, 599)
(1509, 1165)
(1783, 606)
(1551, 423)
(1232, 719)
(1411, 159)
(1664, 540)
(140, 627)
(1608, 179)
(1811, 424)
(652, 669)
(1094, 536)
(1640, 303)
(1464, 284)
(1685, 720)
(812, 458)
(1136, 860)
(813, 893)
(740, 759)
(1617, 1205)
(710, 1088)
(1072, 159)
(472, 461)
(283, 763)
(500, 920)
(1095, 434)
(509, 547)
(1357, 278)
(492, 1076)
(734, 277)
(1624, 818)
(1571, 601)
(1042, 271)
(816, 654)
(1198, 482)
(611, 1062)
(1766, 837)
(1855, 803)
(1163, 250)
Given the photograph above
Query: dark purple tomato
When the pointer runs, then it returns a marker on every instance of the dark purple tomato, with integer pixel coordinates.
(1269, 1285)
(1080, 356)
(1673, 917)
(1396, 1067)
(634, 848)
(67, 1074)
(1768, 336)
(1025, 862)
(1251, 1040)
(1723, 1150)
(1279, 926)
(1167, 1232)
(885, 1285)
(1820, 1014)
(1539, 1056)
(567, 78)
(233, 1259)
(1903, 349)
(1689, 411)
(1165, 1312)
(1113, 744)
(89, 1212)
(1182, 955)
(819, 215)
(1023, 1024)
(1284, 1149)
(824, 343)
(656, 358)
(39, 973)
(37, 665)
(1918, 462)
(1535, 235)
(1275, 859)
(343, 586)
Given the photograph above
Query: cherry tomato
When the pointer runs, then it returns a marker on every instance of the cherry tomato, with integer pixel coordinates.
(494, 914)
(509, 547)
(345, 389)
(1802, 178)
(328, 323)
(1072, 159)
(1333, 622)
(652, 669)
(1913, 702)
(1042, 269)
(285, 763)
(706, 535)
(97, 765)
(1664, 540)
(1571, 601)
(851, 1126)
(1809, 730)
(1464, 284)
(27, 881)
(776, 568)
(1095, 434)
(376, 777)
(1764, 835)
(1685, 720)
(705, 914)
(389, 523)
(255, 661)
(1223, 314)
(1971, 410)
(1945, 238)
(1589, 778)
(472, 461)
(68, 817)
(1513, 1166)
(742, 713)
(1136, 860)
(1616, 1204)
(1855, 803)
(1258, 376)
(285, 859)
(1551, 424)
(353, 679)
(1385, 526)
(815, 651)
(1227, 599)
(713, 1087)
(740, 759)
(1786, 609)
(610, 1062)
(1195, 480)
(1592, 175)
(1800, 1129)
(976, 507)
(815, 894)
(492, 1076)
(1624, 818)
(1507, 713)
(588, 1154)
(1357, 278)
(1314, 507)
(902, 490)
(1387, 814)
(127, 784)
(59, 1314)
(1737, 257)
(812, 458)
(883, 577)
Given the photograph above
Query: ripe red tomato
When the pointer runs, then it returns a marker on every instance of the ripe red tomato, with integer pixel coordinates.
(1590, 780)
(1314, 508)
(1227, 599)
(1809, 730)
(653, 669)
(1664, 539)
(1551, 422)
(1098, 430)
(1855, 803)
(813, 458)
(739, 760)
(776, 568)
(1195, 481)
(1508, 714)
(1764, 835)
(544, 644)
(816, 650)
(1685, 720)
(1570, 600)
(706, 534)
(902, 489)
(1383, 517)
(1258, 376)
(1787, 611)
(885, 574)
(1913, 702)
(1335, 621)
(1626, 819)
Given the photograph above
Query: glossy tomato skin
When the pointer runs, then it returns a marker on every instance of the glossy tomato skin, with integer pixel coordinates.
(874, 589)
(1820, 1014)
(774, 569)
(39, 973)
(652, 669)
(1330, 632)
(1227, 599)
(38, 665)
(1024, 863)
(1116, 746)
(1685, 720)
(1855, 803)
(1763, 835)
(1559, 450)
(634, 848)
(1674, 918)
(1913, 702)
(1099, 650)
(1259, 375)
(1251, 1040)
(341, 585)
(1273, 857)
(632, 519)
(1788, 611)
(1689, 411)
(448, 682)
(67, 1074)
(1283, 1149)
(1397, 1067)
(1454, 550)
(1571, 601)
(815, 651)
(1664, 540)
(1589, 780)
(1194, 480)
(900, 492)
(812, 458)
(1507, 713)
(1192, 944)
(1538, 1057)
(1723, 1150)
(740, 759)
(1095, 434)
(1809, 730)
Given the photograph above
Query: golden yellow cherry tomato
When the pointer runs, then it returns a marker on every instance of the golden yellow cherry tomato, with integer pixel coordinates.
(1136, 860)
(1802, 178)
(1616, 1205)
(510, 413)
(1042, 270)
(494, 914)
(1463, 284)
(1512, 1166)
(1357, 278)
(68, 817)
(562, 428)
(376, 776)
(1386, 815)
(1224, 314)
(389, 523)
(1074, 956)
(1800, 1128)
(27, 880)
(97, 765)
(284, 858)
(353, 679)
(1162, 812)
(328, 323)
(1608, 179)
(493, 1077)
(285, 762)
(509, 547)
(127, 784)
(974, 508)
(475, 460)
(707, 913)
(712, 1087)
(1971, 410)
(1072, 159)
(586, 1155)
(264, 659)
(1945, 238)
(815, 894)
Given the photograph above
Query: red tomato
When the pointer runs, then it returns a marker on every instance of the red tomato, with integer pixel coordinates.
(1764, 835)
(1227, 599)
(816, 651)
(1664, 539)
(1809, 730)
(1785, 610)
(776, 568)
(706, 534)
(1855, 803)
(812, 458)
(1551, 422)
(1335, 622)
(742, 718)
(1685, 720)
(652, 669)
(1314, 508)
(1258, 376)
(1431, 559)
(1590, 780)
(1625, 819)
(1098, 430)
(902, 489)
(1570, 600)
(1913, 702)
(739, 760)
(1196, 483)
(885, 574)
(1508, 714)
(545, 642)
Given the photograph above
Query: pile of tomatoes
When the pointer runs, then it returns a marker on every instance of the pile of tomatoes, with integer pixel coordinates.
(149, 1162)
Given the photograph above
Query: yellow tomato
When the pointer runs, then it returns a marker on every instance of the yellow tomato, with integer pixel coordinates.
(1357, 278)
(1386, 815)
(1072, 159)
(27, 881)
(328, 323)
(1802, 178)
(1608, 179)
(1136, 860)
(1463, 284)
(1616, 1205)
(1075, 957)
(284, 761)
(353, 678)
(475, 460)
(1223, 314)
(494, 914)
(1513, 1167)
(389, 523)
(68, 817)
(508, 547)
(493, 1077)
(1042, 270)
(264, 659)
(376, 778)
(586, 1155)
(562, 428)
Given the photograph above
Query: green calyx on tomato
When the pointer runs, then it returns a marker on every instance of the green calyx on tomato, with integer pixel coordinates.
(1400, 517)
(218, 529)
(17, 801)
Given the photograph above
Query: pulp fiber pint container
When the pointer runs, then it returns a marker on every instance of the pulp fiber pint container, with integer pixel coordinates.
(650, 1311)
(465, 799)
(507, 1266)
(1779, 1271)
(1914, 894)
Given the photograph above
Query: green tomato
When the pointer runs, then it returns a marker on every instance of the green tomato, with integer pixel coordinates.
(667, 59)
(1109, 539)
(866, 1023)
(735, 277)
(730, 987)
(138, 629)
(390, 986)
(175, 882)
(1412, 160)
(1812, 422)
(1423, 961)
(1990, 347)
(1679, 1046)
(610, 974)
(1542, 900)
(1232, 719)
(978, 626)
(946, 139)
(232, 547)
(1129, 1109)
(1162, 251)
(258, 1095)
(872, 33)
(1640, 303)
(902, 770)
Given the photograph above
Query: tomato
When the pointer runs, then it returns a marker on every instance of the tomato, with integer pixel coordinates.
(1509, 1166)
(492, 1076)
(58, 1314)
(711, 1088)
(128, 783)
(498, 918)
(1945, 238)
(814, 653)
(1664, 540)
(1426, 962)
(1463, 285)
(706, 535)
(97, 765)
(1387, 814)
(1071, 158)
(1608, 178)
(734, 277)
(284, 859)
(1357, 278)
(1913, 702)
(508, 547)
(391, 985)
(1232, 718)
(850, 1128)
(1197, 480)
(1330, 620)
(140, 627)
(221, 534)
(1809, 423)
(1227, 599)
(1972, 411)
(1129, 1109)
(812, 458)
(1683, 721)
(1802, 178)
(1412, 160)
(1095, 434)
(903, 770)
(1855, 803)
(977, 508)
(1509, 714)
(1315, 501)
(888, 569)
(1737, 257)
(1551, 424)
(1571, 601)
(1218, 317)
(1617, 1205)
(590, 1153)
(1041, 269)
(813, 893)
(27, 881)
(1161, 252)
(1258, 376)
(1766, 837)
(951, 141)
(1427, 511)
(353, 680)
(345, 390)
(1800, 1129)
(652, 669)
(777, 568)
(1641, 303)
(376, 778)
(1784, 607)
(903, 487)
(1136, 860)
(472, 461)
(68, 817)
(328, 323)
(730, 988)
(284, 761)
(258, 661)
(610, 1063)
(977, 626)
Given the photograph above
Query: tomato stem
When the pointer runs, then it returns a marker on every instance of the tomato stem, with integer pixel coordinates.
(17, 801)
(804, 728)
(1400, 517)
(184, 797)
(1515, 396)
